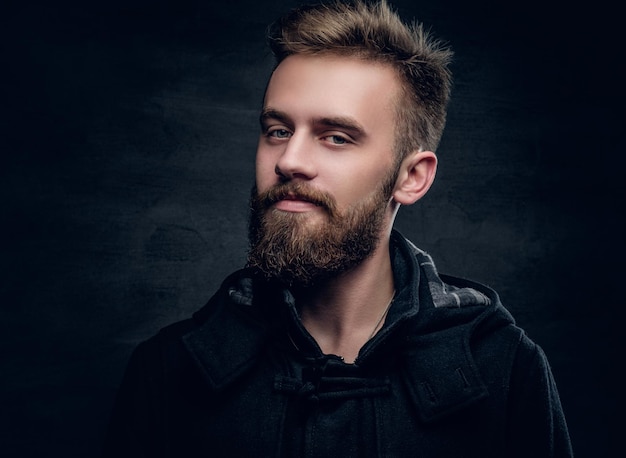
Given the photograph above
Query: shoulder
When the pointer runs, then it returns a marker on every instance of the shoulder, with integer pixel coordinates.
(167, 344)
(235, 292)
(220, 341)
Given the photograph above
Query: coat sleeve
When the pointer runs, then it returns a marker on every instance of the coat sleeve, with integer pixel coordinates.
(134, 428)
(537, 426)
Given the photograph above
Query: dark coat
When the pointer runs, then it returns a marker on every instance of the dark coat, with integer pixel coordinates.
(449, 375)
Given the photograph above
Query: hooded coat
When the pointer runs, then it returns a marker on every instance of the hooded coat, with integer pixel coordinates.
(449, 375)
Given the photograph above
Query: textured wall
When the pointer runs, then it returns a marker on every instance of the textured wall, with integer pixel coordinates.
(129, 131)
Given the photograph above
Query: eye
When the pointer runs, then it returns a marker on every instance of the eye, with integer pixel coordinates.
(337, 139)
(279, 133)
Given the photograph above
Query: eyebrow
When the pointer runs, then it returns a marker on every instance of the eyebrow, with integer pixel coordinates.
(344, 123)
(270, 113)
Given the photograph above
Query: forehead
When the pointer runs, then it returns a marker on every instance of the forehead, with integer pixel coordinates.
(317, 86)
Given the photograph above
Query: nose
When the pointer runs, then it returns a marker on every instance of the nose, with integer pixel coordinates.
(296, 160)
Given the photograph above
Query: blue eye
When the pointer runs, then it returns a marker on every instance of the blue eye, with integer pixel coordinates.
(279, 133)
(337, 140)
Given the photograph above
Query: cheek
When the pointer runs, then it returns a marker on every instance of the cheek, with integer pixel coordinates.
(350, 189)
(368, 179)
(264, 166)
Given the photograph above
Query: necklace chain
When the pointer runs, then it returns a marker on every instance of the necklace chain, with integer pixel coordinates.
(378, 323)
(382, 317)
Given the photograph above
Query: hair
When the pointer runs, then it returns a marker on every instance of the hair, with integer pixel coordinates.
(374, 32)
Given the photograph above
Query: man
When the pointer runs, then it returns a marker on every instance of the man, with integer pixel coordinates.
(339, 338)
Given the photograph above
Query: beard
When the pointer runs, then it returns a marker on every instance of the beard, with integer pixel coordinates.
(300, 250)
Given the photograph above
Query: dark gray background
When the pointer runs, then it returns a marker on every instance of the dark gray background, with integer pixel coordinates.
(128, 137)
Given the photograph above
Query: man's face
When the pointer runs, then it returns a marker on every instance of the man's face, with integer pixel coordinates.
(324, 168)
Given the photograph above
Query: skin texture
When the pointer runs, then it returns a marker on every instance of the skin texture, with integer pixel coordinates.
(302, 144)
(328, 125)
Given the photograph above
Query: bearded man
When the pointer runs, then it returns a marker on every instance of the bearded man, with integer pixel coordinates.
(339, 338)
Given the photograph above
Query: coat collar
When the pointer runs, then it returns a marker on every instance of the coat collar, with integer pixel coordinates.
(230, 336)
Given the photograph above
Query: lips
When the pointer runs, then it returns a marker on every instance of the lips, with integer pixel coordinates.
(299, 198)
(295, 203)
(296, 197)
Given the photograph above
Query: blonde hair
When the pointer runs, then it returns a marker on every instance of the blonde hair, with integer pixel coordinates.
(373, 31)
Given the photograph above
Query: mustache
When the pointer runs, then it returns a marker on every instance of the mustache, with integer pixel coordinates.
(299, 191)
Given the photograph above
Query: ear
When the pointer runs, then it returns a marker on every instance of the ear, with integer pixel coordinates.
(416, 174)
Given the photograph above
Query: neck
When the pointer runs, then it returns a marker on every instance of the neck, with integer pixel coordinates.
(346, 311)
